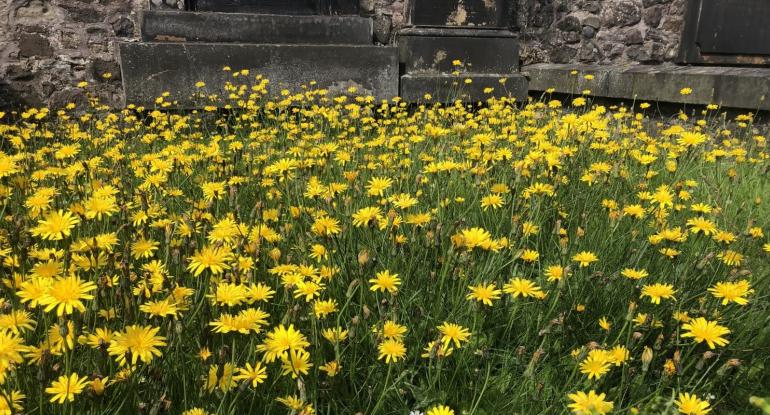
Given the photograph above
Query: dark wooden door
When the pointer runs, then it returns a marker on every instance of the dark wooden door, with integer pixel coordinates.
(726, 32)
(278, 6)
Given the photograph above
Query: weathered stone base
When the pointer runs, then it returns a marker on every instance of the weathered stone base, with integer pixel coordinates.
(477, 50)
(747, 88)
(254, 28)
(149, 69)
(448, 88)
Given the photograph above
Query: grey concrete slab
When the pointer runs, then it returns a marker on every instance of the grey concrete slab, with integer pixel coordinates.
(448, 88)
(747, 88)
(436, 50)
(149, 69)
(254, 28)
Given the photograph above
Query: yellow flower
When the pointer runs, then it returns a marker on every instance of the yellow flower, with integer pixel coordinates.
(367, 216)
(658, 291)
(605, 324)
(335, 335)
(141, 343)
(99, 384)
(530, 255)
(618, 354)
(634, 274)
(702, 330)
(10, 402)
(689, 404)
(735, 292)
(474, 238)
(579, 102)
(160, 308)
(66, 387)
(685, 91)
(494, 201)
(331, 368)
(440, 410)
(595, 365)
(296, 363)
(453, 333)
(731, 258)
(326, 226)
(55, 225)
(385, 281)
(280, 341)
(589, 403)
(702, 225)
(393, 330)
(11, 347)
(555, 272)
(378, 185)
(212, 258)
(523, 287)
(67, 294)
(391, 350)
(484, 293)
(585, 258)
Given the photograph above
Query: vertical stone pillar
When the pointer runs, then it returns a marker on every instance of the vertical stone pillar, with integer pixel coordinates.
(460, 49)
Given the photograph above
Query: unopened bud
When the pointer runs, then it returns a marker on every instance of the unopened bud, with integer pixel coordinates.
(646, 358)
(363, 257)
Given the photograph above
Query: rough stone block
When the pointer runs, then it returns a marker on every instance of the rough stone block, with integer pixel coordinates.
(149, 69)
(32, 44)
(733, 87)
(255, 28)
(448, 88)
(434, 50)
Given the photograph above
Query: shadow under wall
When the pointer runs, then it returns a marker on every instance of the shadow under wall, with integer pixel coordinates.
(11, 99)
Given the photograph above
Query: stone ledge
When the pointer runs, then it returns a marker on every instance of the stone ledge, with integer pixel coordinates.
(732, 87)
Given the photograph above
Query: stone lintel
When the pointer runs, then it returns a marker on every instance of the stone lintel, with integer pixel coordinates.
(186, 26)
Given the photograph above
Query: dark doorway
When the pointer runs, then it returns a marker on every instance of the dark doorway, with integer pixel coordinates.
(726, 32)
(463, 13)
(330, 7)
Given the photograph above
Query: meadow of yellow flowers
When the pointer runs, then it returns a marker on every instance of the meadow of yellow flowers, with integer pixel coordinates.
(337, 255)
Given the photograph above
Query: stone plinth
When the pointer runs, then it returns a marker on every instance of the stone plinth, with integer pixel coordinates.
(149, 69)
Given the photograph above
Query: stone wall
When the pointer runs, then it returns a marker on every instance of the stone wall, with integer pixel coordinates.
(600, 31)
(575, 31)
(47, 47)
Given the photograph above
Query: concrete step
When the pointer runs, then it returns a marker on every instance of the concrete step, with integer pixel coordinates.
(448, 88)
(149, 69)
(732, 87)
(254, 28)
(479, 50)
